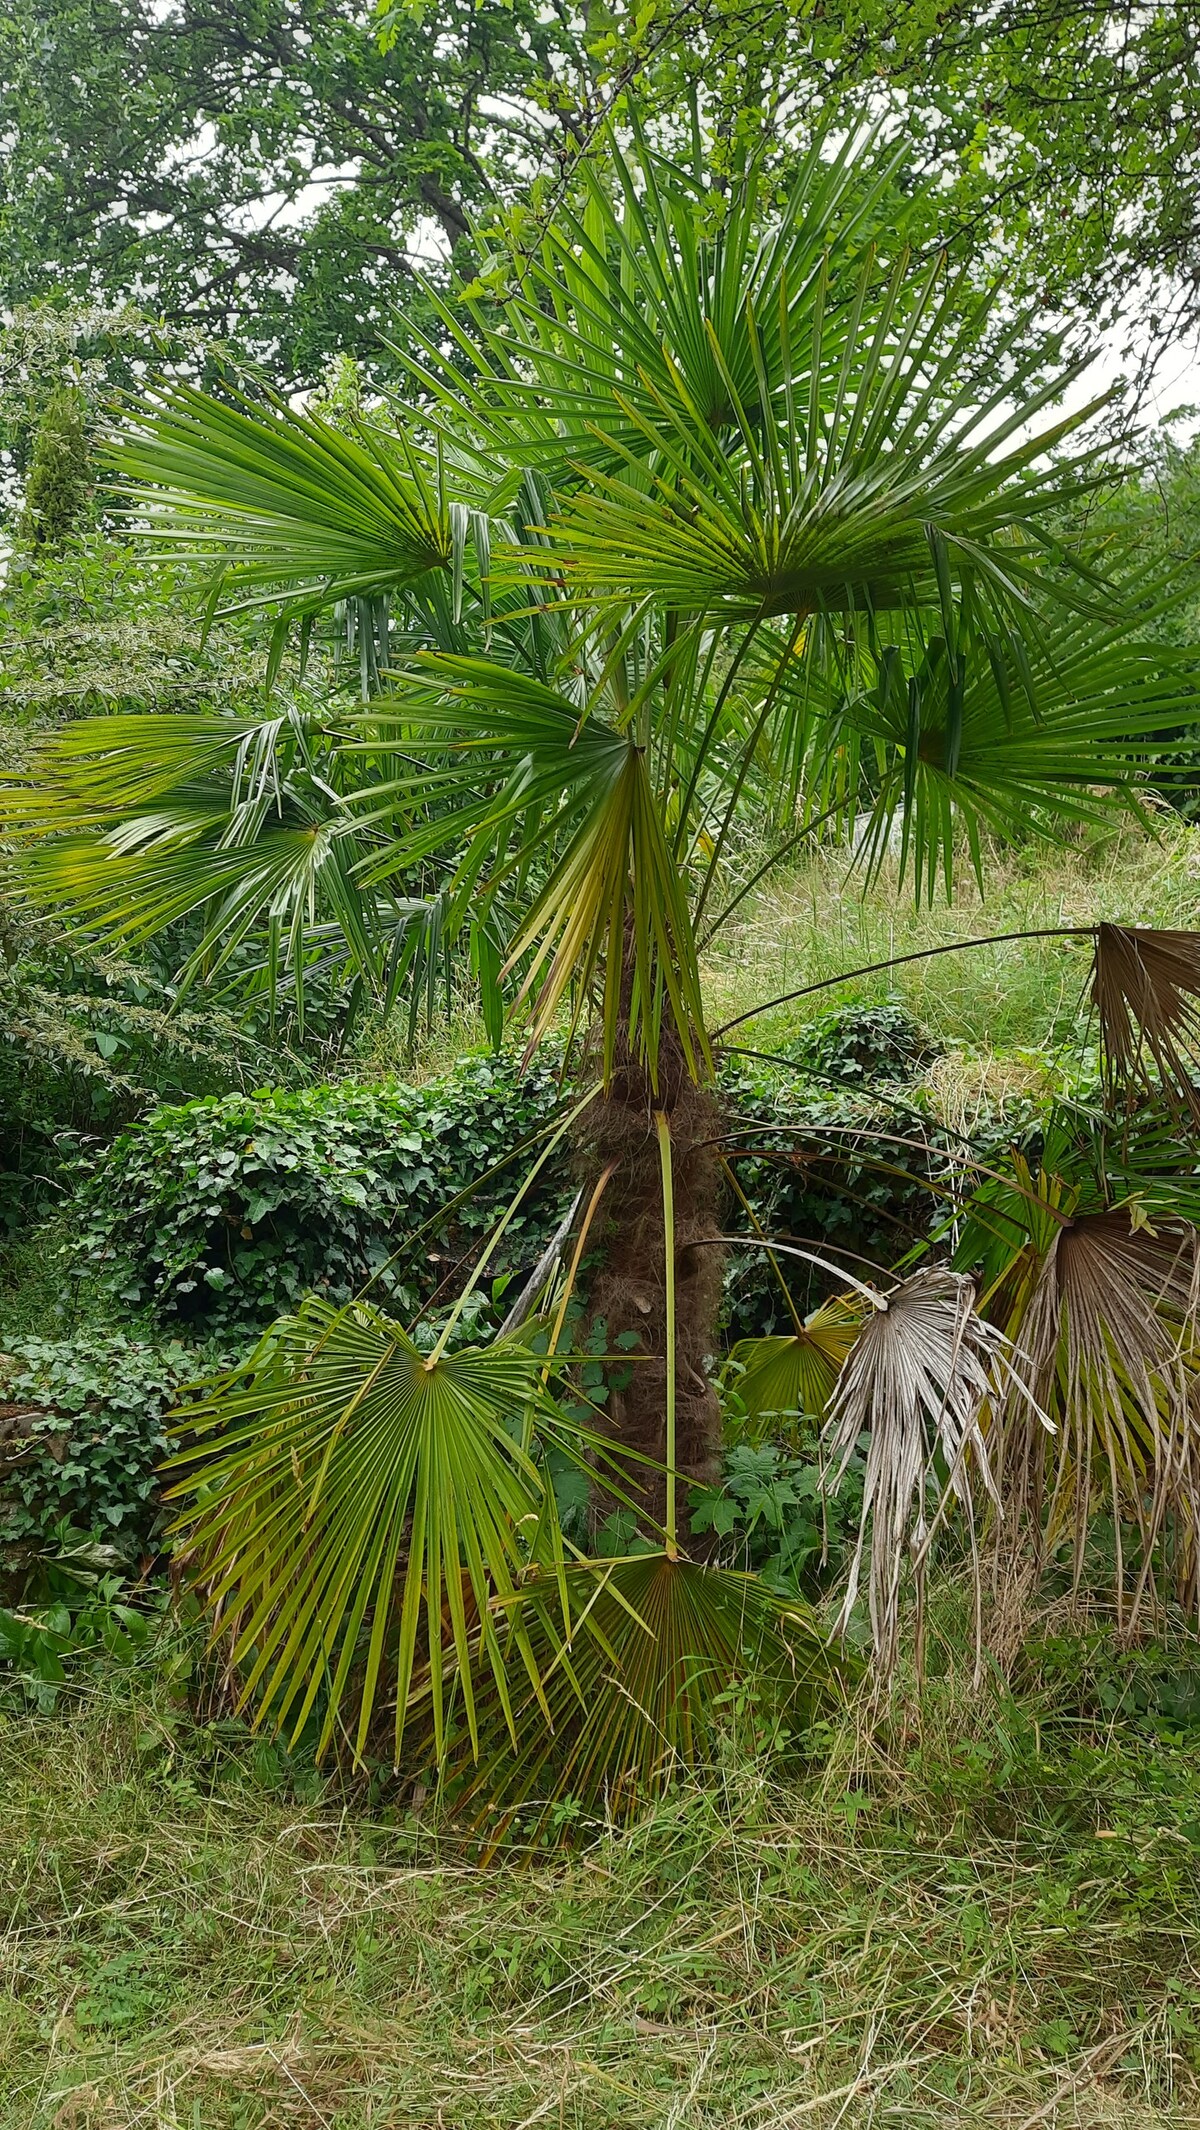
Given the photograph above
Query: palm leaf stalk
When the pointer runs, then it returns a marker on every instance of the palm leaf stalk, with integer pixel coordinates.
(691, 530)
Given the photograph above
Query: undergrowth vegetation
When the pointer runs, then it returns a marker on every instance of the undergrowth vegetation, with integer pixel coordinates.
(1019, 997)
(230, 1210)
(978, 1912)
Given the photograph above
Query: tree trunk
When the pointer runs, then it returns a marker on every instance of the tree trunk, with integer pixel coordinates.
(627, 1288)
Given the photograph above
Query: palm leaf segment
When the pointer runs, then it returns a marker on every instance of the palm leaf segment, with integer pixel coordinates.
(286, 498)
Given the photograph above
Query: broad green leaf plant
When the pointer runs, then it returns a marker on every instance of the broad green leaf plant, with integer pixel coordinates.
(707, 524)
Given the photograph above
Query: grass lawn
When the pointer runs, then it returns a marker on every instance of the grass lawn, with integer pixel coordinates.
(820, 919)
(989, 1917)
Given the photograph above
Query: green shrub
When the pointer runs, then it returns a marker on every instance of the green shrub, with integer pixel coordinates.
(837, 1152)
(215, 1215)
(227, 1211)
(59, 481)
(823, 1171)
(858, 1045)
(1088, 1679)
(765, 1514)
(84, 1048)
(81, 1435)
(857, 1174)
(80, 1621)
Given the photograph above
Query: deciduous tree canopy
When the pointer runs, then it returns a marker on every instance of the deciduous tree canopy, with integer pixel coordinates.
(269, 169)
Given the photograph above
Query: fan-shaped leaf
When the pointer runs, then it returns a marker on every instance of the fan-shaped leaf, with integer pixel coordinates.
(640, 1692)
(1104, 1307)
(779, 1378)
(286, 499)
(1146, 991)
(355, 1506)
(920, 1373)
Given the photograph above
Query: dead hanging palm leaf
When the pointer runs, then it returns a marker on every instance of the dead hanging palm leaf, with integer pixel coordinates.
(916, 1381)
(1146, 991)
(1106, 1319)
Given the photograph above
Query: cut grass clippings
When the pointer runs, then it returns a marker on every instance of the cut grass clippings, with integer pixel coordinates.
(990, 1920)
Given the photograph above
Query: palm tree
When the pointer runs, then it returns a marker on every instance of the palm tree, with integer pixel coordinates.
(706, 521)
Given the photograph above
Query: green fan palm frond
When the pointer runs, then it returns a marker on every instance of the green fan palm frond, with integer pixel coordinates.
(228, 821)
(640, 1692)
(178, 865)
(787, 1376)
(520, 773)
(654, 286)
(998, 735)
(892, 480)
(355, 1508)
(101, 769)
(284, 497)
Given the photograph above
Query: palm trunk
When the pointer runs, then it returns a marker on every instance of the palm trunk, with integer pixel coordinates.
(627, 1291)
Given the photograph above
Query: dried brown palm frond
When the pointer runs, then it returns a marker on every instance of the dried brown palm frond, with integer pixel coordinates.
(921, 1371)
(1146, 991)
(1107, 1321)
